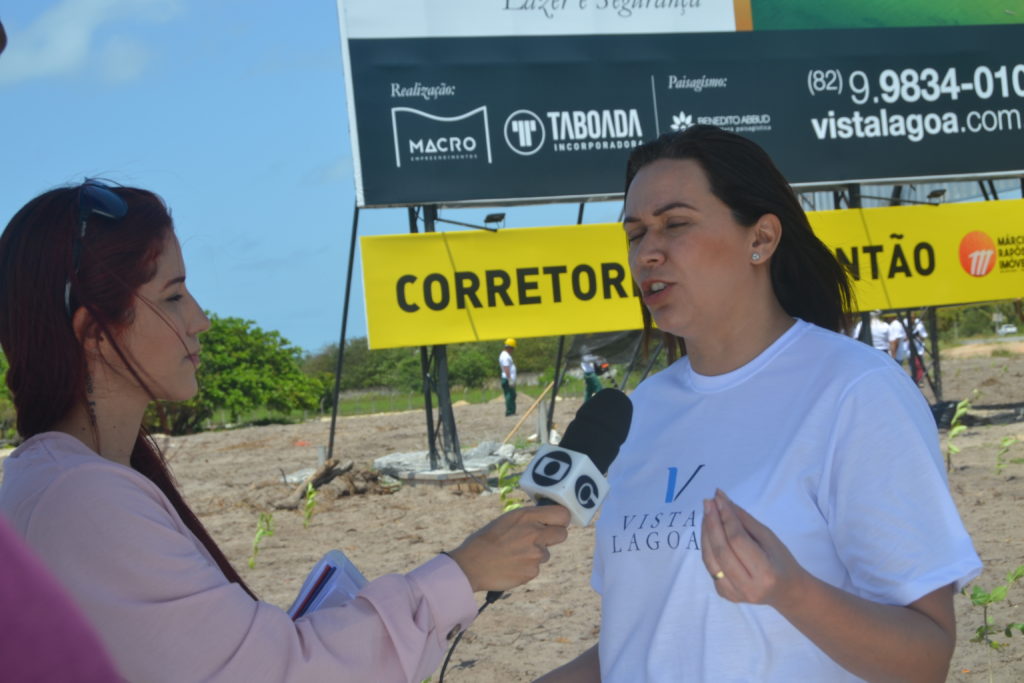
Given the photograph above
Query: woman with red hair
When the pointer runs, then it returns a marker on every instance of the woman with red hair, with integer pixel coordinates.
(96, 322)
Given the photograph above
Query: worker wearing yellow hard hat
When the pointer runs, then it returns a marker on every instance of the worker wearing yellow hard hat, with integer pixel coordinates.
(508, 376)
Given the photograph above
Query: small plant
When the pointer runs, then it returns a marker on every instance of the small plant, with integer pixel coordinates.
(508, 483)
(980, 598)
(307, 510)
(1004, 447)
(264, 527)
(956, 428)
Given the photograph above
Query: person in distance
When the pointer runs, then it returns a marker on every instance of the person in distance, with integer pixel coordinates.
(96, 321)
(779, 511)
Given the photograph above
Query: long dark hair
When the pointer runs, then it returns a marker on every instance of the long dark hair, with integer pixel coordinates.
(807, 279)
(47, 363)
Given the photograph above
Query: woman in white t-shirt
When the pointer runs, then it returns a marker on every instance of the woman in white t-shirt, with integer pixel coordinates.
(760, 526)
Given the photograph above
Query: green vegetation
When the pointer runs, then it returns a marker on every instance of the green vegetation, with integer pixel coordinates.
(469, 365)
(244, 369)
(988, 628)
(1004, 447)
(955, 429)
(508, 487)
(264, 527)
(251, 376)
(310, 505)
(958, 323)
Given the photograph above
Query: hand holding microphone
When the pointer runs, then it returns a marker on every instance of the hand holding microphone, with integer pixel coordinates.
(567, 482)
(508, 552)
(570, 477)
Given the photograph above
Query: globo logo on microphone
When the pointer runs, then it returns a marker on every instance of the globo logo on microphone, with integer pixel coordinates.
(587, 492)
(551, 468)
(568, 478)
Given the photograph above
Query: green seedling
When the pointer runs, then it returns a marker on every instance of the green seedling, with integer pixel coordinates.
(264, 527)
(508, 483)
(1004, 447)
(980, 598)
(307, 510)
(955, 429)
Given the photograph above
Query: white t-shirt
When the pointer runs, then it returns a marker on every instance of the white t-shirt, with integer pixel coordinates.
(505, 361)
(920, 333)
(822, 439)
(899, 335)
(880, 334)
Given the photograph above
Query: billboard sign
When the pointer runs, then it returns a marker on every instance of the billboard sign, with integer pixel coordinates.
(506, 101)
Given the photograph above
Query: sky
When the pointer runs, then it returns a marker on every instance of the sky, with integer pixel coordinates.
(234, 112)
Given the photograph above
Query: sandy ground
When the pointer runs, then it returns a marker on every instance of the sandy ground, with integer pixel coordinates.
(230, 477)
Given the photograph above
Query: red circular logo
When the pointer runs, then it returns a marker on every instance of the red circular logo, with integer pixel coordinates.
(977, 254)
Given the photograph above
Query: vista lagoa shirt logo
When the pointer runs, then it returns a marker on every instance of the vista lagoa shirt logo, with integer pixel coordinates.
(663, 530)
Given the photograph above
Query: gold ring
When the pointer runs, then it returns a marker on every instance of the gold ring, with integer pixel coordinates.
(718, 575)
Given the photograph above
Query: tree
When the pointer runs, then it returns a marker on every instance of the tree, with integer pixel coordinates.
(470, 364)
(243, 369)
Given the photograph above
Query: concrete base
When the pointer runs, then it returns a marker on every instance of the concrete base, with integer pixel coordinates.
(480, 462)
(473, 482)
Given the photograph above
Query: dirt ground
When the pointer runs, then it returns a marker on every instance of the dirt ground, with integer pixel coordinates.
(230, 477)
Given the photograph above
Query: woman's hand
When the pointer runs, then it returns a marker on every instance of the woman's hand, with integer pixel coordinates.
(508, 552)
(747, 561)
(869, 639)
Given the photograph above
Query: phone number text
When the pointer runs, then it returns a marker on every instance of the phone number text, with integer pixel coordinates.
(918, 85)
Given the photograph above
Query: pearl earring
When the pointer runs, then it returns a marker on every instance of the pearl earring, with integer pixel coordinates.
(755, 256)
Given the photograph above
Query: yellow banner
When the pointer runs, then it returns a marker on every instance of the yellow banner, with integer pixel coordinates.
(444, 288)
(914, 256)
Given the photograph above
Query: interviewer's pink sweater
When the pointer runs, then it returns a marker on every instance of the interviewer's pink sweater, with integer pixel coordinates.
(167, 613)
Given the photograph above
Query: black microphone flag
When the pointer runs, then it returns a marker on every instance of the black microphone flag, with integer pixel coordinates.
(572, 474)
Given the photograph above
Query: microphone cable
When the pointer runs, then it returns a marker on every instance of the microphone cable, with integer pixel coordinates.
(492, 597)
(594, 432)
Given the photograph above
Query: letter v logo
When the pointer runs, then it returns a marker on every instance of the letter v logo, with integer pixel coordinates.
(673, 473)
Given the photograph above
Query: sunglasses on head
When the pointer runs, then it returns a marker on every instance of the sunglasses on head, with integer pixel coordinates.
(94, 199)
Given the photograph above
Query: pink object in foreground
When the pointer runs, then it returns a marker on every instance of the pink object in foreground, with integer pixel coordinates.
(45, 636)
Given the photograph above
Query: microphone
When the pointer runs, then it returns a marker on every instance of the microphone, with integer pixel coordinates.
(572, 474)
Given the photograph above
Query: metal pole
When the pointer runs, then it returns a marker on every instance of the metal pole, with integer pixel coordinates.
(556, 383)
(933, 330)
(654, 358)
(435, 459)
(632, 362)
(837, 197)
(428, 407)
(344, 324)
(450, 437)
(559, 375)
